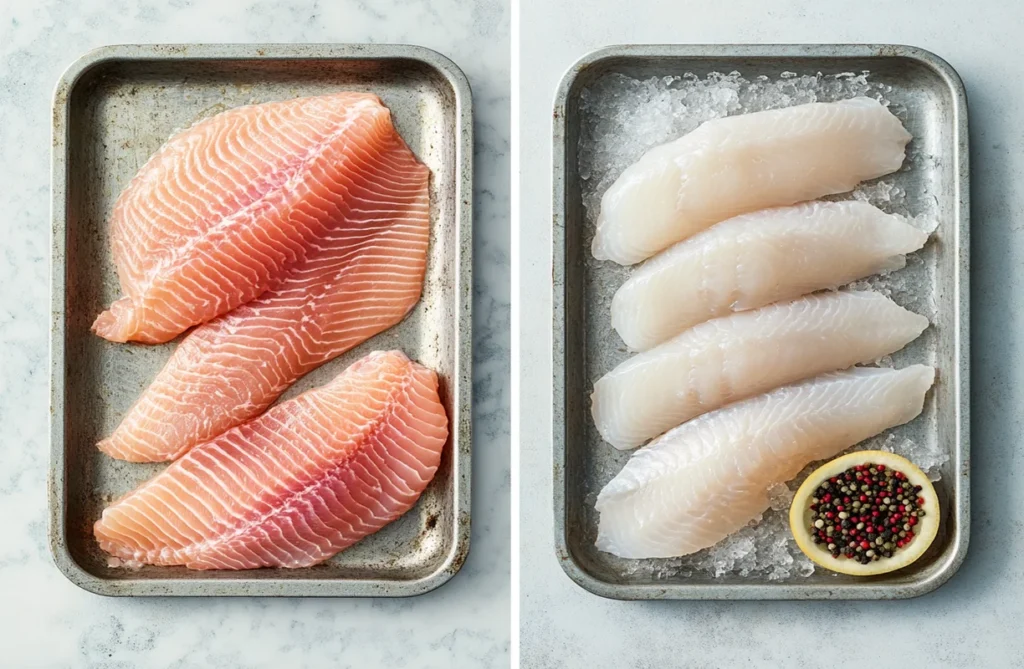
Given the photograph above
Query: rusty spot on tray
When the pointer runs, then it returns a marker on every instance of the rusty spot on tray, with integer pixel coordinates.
(462, 550)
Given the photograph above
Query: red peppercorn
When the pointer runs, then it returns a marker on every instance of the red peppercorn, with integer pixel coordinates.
(902, 508)
(865, 545)
(910, 535)
(827, 497)
(899, 491)
(833, 480)
(839, 507)
(863, 498)
(875, 513)
(880, 468)
(846, 500)
(830, 515)
(900, 543)
(920, 501)
(912, 521)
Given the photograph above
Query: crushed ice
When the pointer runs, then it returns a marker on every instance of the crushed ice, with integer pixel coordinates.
(925, 456)
(622, 118)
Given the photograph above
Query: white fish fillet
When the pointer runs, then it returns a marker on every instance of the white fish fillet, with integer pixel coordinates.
(726, 359)
(733, 165)
(756, 259)
(708, 478)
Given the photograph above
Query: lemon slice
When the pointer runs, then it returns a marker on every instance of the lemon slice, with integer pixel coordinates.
(922, 530)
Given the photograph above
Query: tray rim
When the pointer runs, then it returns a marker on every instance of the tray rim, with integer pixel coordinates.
(960, 381)
(461, 381)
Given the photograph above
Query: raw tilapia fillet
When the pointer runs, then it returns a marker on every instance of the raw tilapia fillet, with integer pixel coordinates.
(705, 479)
(756, 259)
(307, 479)
(225, 207)
(737, 356)
(738, 164)
(360, 278)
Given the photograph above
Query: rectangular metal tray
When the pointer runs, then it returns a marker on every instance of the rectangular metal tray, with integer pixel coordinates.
(937, 108)
(112, 109)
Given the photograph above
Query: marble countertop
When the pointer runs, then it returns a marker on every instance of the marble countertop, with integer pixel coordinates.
(972, 621)
(47, 621)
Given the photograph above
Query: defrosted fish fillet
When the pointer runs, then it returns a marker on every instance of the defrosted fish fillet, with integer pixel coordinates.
(292, 488)
(726, 359)
(360, 278)
(225, 207)
(738, 164)
(756, 259)
(705, 479)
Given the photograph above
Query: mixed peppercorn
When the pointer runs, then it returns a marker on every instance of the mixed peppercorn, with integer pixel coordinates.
(866, 513)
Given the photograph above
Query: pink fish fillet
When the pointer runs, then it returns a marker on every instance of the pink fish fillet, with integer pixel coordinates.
(292, 488)
(226, 207)
(361, 277)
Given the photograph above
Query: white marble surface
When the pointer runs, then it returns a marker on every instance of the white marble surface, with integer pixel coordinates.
(48, 622)
(972, 621)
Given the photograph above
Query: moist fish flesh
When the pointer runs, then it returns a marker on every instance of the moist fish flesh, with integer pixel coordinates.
(737, 356)
(361, 277)
(705, 479)
(226, 207)
(292, 488)
(756, 259)
(738, 164)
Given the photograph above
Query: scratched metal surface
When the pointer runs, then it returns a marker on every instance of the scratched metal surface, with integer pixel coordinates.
(112, 110)
(585, 347)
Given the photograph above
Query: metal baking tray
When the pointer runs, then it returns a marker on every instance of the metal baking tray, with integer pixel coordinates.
(112, 109)
(585, 347)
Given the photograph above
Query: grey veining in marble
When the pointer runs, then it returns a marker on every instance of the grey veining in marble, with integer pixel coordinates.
(48, 622)
(972, 621)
